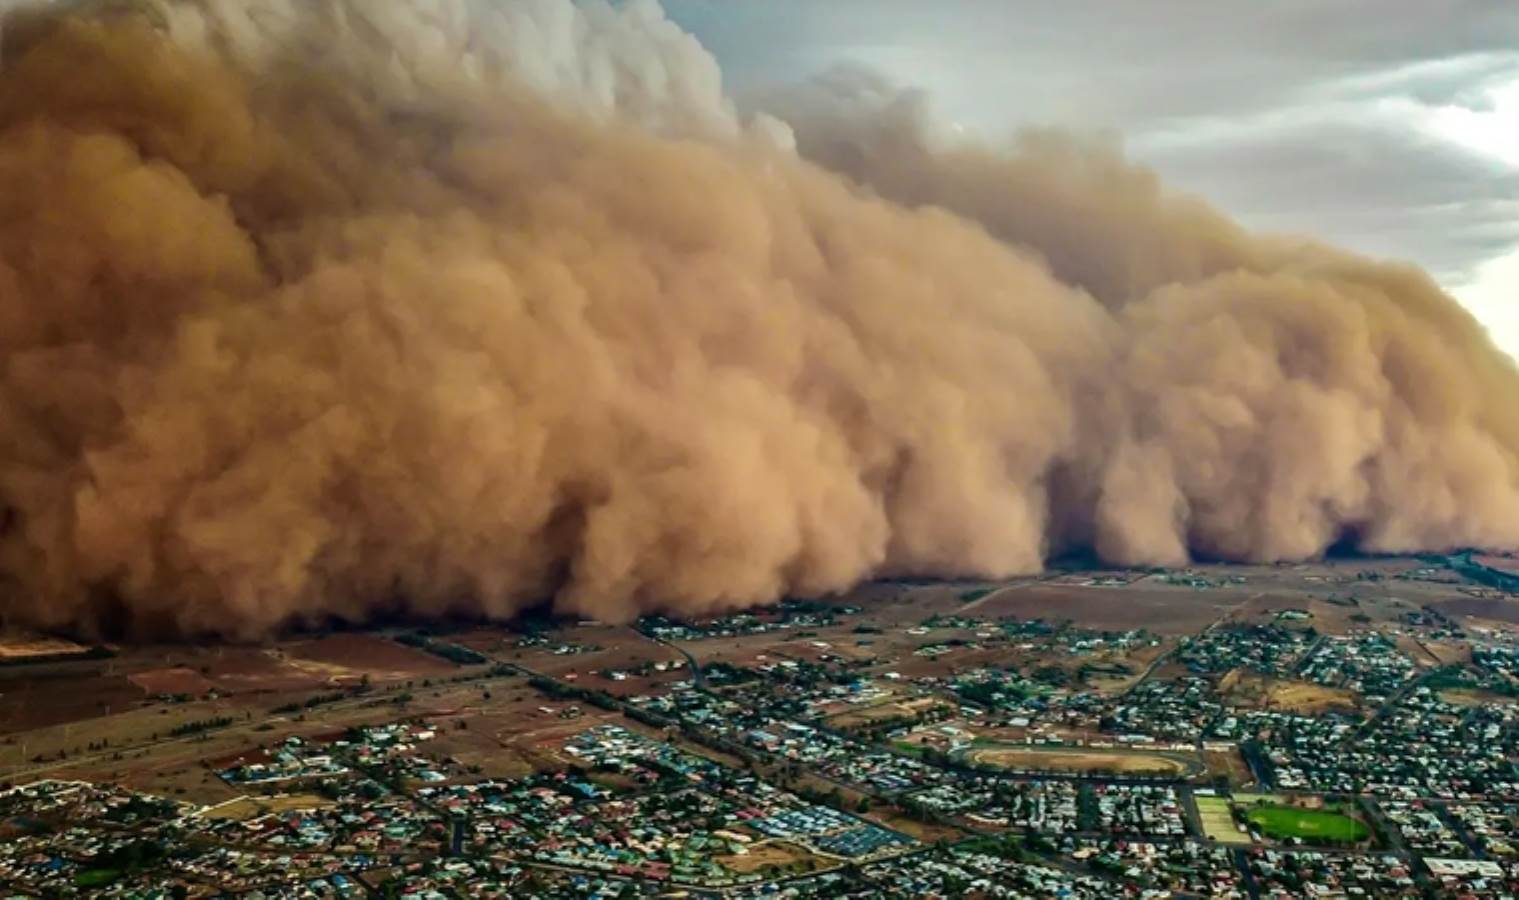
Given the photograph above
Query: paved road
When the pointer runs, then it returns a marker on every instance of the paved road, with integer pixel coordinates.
(697, 678)
(1297, 667)
(1391, 702)
(998, 592)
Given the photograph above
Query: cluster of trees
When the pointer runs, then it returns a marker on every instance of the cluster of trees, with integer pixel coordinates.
(316, 700)
(200, 726)
(1495, 578)
(558, 691)
(1455, 676)
(452, 652)
(991, 693)
(877, 729)
(723, 673)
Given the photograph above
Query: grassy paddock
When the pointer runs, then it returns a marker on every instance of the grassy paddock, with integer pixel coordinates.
(1307, 824)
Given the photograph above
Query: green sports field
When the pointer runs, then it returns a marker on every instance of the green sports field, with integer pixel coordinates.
(1308, 824)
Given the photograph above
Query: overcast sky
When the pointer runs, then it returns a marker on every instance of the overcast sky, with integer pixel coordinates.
(1388, 126)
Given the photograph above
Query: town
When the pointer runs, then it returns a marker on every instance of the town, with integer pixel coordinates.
(1344, 729)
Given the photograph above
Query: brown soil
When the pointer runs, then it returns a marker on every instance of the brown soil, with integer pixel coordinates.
(172, 681)
(767, 854)
(1492, 608)
(349, 654)
(29, 703)
(1168, 611)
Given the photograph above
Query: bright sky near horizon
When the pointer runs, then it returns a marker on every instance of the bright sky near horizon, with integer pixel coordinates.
(1388, 126)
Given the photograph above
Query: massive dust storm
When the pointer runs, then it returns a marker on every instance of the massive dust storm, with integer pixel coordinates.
(330, 310)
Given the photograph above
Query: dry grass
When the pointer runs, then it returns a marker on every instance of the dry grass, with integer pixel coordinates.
(1249, 689)
(1229, 763)
(1446, 653)
(1468, 697)
(172, 681)
(252, 807)
(892, 818)
(1218, 821)
(912, 709)
(1161, 609)
(768, 854)
(1308, 699)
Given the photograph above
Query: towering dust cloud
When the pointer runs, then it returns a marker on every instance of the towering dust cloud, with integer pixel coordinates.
(315, 310)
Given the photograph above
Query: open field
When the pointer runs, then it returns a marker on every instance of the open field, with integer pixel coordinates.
(1166, 610)
(1305, 698)
(1493, 609)
(245, 808)
(173, 681)
(144, 756)
(1082, 761)
(865, 715)
(343, 656)
(255, 672)
(599, 647)
(773, 855)
(1248, 798)
(1310, 825)
(1218, 822)
(1229, 764)
(1446, 653)
(1475, 698)
(52, 699)
(1506, 563)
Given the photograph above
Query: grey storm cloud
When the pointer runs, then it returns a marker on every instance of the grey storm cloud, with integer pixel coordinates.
(1299, 115)
(1366, 180)
(1128, 60)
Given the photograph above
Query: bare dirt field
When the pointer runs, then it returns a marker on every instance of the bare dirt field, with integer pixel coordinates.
(1464, 697)
(1229, 764)
(1289, 696)
(350, 656)
(485, 639)
(1163, 610)
(771, 854)
(1491, 608)
(29, 702)
(1308, 699)
(172, 681)
(1505, 563)
(257, 671)
(865, 715)
(245, 808)
(1445, 653)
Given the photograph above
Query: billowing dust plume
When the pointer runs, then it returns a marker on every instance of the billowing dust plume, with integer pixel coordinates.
(331, 309)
